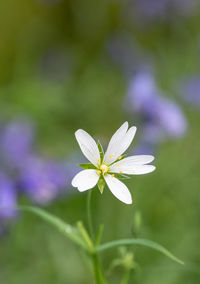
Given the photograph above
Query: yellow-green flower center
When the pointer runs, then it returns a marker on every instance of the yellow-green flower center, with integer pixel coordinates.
(103, 169)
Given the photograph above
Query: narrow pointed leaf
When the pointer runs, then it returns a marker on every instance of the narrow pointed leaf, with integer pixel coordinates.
(141, 242)
(120, 158)
(87, 166)
(121, 176)
(68, 230)
(101, 151)
(101, 184)
(99, 235)
(85, 236)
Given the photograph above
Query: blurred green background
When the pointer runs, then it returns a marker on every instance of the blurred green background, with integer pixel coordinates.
(57, 71)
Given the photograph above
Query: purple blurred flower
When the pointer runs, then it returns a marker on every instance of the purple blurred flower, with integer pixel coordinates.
(24, 172)
(44, 179)
(171, 118)
(142, 94)
(126, 52)
(161, 117)
(190, 90)
(16, 142)
(146, 11)
(8, 197)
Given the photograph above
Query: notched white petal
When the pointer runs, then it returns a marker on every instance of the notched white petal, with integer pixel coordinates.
(139, 159)
(144, 169)
(134, 165)
(132, 170)
(135, 160)
(127, 140)
(119, 143)
(118, 189)
(115, 140)
(85, 180)
(88, 146)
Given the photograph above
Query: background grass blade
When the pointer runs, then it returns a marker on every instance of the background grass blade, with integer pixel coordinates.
(68, 230)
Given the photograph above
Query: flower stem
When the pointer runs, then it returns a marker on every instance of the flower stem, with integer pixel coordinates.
(126, 277)
(97, 270)
(89, 216)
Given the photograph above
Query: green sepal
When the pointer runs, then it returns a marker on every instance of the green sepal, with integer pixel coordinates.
(123, 156)
(101, 184)
(121, 176)
(87, 166)
(118, 160)
(101, 151)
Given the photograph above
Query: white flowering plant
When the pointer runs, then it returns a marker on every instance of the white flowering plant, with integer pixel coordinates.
(105, 169)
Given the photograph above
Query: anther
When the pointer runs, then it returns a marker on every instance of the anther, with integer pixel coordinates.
(104, 168)
(98, 172)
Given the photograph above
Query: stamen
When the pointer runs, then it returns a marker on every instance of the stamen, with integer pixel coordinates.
(120, 157)
(120, 172)
(110, 156)
(112, 175)
(104, 168)
(98, 172)
(98, 160)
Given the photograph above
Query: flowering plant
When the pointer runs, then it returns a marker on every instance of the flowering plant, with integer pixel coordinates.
(104, 169)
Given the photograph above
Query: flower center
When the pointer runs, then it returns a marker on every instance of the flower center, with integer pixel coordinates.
(104, 168)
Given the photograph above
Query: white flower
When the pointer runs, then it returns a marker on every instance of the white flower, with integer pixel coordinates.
(106, 167)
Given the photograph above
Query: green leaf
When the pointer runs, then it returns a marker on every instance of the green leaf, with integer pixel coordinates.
(141, 242)
(101, 184)
(121, 176)
(99, 235)
(87, 166)
(69, 231)
(85, 236)
(101, 151)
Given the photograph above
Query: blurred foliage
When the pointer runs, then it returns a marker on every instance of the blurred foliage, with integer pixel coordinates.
(55, 69)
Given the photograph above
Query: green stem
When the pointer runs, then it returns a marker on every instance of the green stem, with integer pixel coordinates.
(126, 277)
(99, 278)
(89, 216)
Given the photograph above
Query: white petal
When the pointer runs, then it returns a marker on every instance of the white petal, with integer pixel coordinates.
(88, 146)
(119, 143)
(126, 166)
(115, 140)
(85, 179)
(139, 159)
(119, 189)
(127, 140)
(131, 162)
